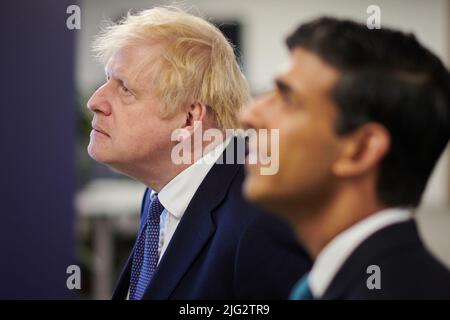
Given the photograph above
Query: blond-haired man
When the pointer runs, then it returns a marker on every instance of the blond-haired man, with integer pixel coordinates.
(168, 70)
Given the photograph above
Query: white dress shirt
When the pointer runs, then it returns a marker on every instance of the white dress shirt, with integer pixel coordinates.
(337, 251)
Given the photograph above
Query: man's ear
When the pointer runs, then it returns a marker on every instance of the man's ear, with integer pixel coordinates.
(362, 151)
(195, 112)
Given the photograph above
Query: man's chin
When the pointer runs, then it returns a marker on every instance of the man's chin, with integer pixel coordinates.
(263, 193)
(99, 156)
(254, 190)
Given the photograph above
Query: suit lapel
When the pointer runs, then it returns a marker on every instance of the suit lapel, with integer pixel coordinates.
(193, 232)
(380, 243)
(121, 289)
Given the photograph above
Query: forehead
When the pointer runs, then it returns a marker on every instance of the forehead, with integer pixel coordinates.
(131, 63)
(308, 74)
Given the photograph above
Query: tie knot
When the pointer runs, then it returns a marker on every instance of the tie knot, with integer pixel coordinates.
(156, 208)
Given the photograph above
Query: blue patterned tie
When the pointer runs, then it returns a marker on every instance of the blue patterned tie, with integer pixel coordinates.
(301, 290)
(145, 258)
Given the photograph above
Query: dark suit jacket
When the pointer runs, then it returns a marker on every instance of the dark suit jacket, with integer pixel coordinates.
(407, 269)
(224, 248)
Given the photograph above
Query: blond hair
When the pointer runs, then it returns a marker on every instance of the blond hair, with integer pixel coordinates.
(196, 63)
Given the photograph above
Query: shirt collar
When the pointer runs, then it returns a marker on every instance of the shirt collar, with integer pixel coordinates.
(176, 195)
(338, 250)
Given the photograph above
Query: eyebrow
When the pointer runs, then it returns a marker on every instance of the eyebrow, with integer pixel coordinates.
(118, 75)
(121, 78)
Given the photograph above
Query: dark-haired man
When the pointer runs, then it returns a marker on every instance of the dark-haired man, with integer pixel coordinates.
(363, 118)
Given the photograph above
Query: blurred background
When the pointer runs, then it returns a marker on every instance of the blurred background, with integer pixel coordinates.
(59, 207)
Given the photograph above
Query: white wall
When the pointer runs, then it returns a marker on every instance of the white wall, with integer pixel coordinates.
(265, 25)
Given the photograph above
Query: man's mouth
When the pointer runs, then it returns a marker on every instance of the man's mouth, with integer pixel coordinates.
(99, 130)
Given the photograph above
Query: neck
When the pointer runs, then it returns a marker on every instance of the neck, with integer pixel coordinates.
(347, 207)
(157, 179)
(155, 174)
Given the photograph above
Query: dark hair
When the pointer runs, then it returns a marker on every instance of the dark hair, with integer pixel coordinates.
(388, 77)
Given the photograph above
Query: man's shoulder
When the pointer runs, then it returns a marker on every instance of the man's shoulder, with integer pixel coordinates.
(402, 275)
(391, 264)
(234, 210)
(234, 203)
(254, 223)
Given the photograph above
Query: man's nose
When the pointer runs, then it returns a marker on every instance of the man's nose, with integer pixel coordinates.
(99, 101)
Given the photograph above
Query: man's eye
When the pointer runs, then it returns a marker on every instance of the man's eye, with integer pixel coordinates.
(124, 90)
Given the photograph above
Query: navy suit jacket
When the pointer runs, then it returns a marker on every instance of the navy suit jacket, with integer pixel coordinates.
(224, 248)
(407, 269)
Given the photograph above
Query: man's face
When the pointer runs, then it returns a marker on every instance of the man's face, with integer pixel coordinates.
(128, 131)
(302, 109)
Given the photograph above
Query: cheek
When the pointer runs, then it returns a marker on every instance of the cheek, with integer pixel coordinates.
(305, 159)
(154, 139)
(142, 135)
